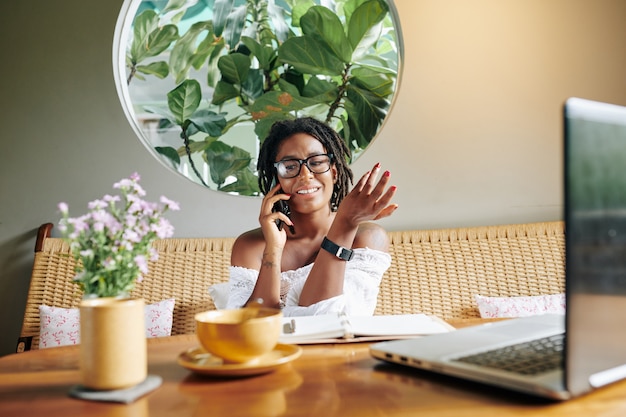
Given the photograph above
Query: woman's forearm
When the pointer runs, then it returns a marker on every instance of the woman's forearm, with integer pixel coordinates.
(267, 286)
(327, 275)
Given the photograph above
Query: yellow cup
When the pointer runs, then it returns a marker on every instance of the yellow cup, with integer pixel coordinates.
(241, 335)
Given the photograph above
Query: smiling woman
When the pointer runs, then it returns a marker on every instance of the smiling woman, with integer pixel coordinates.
(201, 82)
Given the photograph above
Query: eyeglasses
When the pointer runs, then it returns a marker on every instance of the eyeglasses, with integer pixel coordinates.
(317, 164)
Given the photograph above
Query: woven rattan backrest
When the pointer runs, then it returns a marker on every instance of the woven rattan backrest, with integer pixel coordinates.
(433, 271)
(440, 271)
(184, 271)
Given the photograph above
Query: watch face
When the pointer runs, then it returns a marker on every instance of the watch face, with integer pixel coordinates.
(346, 254)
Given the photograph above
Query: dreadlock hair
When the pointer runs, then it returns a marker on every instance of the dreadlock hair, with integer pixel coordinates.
(332, 142)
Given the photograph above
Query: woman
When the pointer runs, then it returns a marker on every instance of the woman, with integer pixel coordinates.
(329, 257)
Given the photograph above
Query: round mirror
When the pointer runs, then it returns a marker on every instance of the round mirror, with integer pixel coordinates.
(201, 81)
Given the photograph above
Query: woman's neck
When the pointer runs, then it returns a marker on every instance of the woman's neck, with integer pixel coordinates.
(313, 225)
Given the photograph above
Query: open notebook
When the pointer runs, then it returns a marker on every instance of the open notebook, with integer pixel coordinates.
(339, 328)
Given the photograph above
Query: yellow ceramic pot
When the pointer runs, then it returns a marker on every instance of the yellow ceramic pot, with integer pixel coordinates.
(113, 352)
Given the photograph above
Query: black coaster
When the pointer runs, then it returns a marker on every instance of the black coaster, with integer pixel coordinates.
(126, 396)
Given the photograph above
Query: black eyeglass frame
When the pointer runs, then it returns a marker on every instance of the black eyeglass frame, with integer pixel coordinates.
(330, 156)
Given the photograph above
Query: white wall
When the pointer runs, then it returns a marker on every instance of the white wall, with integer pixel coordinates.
(474, 137)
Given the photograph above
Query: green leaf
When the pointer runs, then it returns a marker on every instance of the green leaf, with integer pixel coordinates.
(158, 41)
(320, 90)
(279, 24)
(205, 49)
(159, 69)
(252, 87)
(234, 67)
(350, 6)
(221, 10)
(368, 43)
(322, 24)
(176, 4)
(246, 184)
(295, 78)
(169, 153)
(287, 87)
(278, 102)
(264, 54)
(209, 122)
(223, 92)
(262, 126)
(235, 23)
(364, 18)
(167, 118)
(299, 9)
(184, 100)
(150, 40)
(373, 81)
(183, 52)
(366, 112)
(213, 73)
(225, 160)
(144, 24)
(310, 56)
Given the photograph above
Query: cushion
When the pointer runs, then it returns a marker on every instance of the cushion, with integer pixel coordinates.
(61, 326)
(219, 294)
(498, 307)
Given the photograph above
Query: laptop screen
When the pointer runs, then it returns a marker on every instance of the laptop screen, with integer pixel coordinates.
(595, 219)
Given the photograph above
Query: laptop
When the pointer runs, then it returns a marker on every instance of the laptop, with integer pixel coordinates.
(586, 347)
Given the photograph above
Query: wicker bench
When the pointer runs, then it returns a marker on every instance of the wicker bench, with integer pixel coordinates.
(433, 271)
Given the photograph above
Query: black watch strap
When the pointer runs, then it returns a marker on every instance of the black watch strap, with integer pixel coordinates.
(339, 251)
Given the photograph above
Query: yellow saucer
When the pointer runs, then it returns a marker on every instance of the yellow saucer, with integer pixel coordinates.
(200, 361)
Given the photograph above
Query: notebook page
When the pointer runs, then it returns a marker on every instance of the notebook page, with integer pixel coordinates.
(397, 325)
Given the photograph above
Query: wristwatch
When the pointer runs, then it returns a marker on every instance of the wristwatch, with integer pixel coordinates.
(339, 251)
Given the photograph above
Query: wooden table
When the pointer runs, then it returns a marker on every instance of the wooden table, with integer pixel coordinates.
(327, 380)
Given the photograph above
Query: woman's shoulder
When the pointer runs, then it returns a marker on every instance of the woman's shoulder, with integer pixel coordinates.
(373, 236)
(251, 236)
(248, 248)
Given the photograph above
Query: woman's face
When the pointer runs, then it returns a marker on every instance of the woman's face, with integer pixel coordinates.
(309, 191)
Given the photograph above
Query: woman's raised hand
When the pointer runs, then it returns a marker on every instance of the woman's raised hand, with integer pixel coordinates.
(369, 199)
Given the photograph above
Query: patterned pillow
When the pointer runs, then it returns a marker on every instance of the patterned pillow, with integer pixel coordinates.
(497, 307)
(61, 326)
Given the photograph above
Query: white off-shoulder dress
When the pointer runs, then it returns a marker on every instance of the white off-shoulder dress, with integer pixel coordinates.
(360, 288)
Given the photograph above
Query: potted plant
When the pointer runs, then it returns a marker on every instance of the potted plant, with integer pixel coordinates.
(112, 245)
(255, 63)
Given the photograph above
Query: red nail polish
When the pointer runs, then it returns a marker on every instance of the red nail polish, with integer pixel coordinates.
(377, 165)
(386, 173)
(393, 187)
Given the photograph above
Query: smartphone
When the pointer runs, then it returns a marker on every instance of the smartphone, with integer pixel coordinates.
(281, 206)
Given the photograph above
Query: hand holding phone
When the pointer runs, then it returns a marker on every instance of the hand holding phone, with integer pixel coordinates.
(282, 207)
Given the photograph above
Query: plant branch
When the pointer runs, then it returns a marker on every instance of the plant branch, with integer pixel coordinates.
(340, 95)
(188, 152)
(133, 70)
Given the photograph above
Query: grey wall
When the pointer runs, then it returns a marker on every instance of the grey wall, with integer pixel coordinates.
(474, 138)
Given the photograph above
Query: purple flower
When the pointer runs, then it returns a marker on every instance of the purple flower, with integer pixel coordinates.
(118, 229)
(142, 263)
(97, 205)
(172, 205)
(163, 229)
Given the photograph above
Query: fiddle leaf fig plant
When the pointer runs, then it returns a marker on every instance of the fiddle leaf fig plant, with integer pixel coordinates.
(254, 63)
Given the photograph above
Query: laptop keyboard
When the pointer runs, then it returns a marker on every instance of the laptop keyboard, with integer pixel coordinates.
(528, 358)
